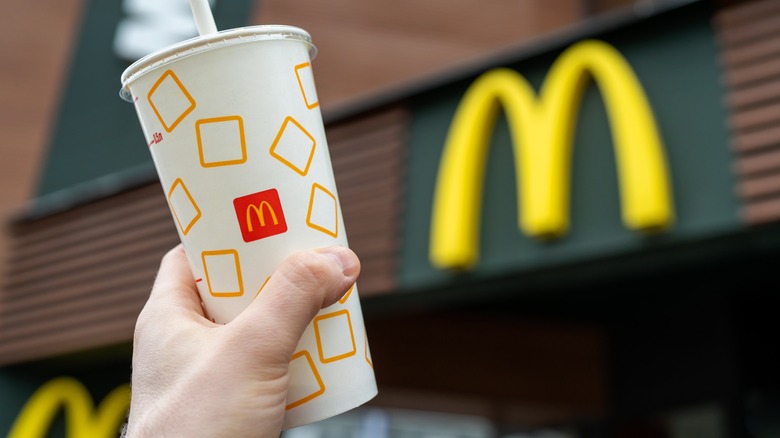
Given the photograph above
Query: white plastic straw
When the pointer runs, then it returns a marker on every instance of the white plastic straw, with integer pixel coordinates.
(204, 20)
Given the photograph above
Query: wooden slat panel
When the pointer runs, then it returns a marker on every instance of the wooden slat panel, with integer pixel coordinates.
(356, 193)
(756, 117)
(379, 134)
(749, 35)
(765, 69)
(767, 210)
(377, 208)
(751, 53)
(110, 288)
(757, 139)
(752, 165)
(745, 13)
(368, 163)
(90, 253)
(361, 230)
(109, 297)
(367, 172)
(77, 279)
(749, 31)
(766, 162)
(36, 308)
(373, 284)
(44, 230)
(761, 186)
(82, 271)
(752, 94)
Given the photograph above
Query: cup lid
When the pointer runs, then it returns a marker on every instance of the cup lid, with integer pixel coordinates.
(209, 42)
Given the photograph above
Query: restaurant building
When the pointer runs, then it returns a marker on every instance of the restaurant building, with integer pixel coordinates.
(568, 218)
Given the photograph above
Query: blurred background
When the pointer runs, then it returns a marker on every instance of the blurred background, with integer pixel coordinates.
(602, 331)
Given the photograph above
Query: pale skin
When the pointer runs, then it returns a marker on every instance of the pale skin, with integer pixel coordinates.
(194, 378)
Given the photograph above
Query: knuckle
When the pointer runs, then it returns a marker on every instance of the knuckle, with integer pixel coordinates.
(309, 267)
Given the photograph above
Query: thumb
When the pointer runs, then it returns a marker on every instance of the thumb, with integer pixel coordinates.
(303, 284)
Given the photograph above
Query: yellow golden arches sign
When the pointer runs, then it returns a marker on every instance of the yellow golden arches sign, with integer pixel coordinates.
(258, 210)
(82, 418)
(542, 131)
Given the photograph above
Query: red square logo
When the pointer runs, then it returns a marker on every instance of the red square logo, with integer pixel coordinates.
(260, 215)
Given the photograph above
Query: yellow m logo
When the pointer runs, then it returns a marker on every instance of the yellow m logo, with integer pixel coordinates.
(542, 135)
(259, 214)
(81, 417)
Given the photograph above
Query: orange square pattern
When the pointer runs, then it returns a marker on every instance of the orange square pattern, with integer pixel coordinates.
(294, 146)
(185, 209)
(323, 205)
(368, 351)
(221, 136)
(302, 363)
(347, 294)
(173, 101)
(225, 271)
(261, 287)
(305, 77)
(340, 340)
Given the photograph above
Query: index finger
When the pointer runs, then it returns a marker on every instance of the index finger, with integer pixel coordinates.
(174, 288)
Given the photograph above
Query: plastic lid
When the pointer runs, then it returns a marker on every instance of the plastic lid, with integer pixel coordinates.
(208, 42)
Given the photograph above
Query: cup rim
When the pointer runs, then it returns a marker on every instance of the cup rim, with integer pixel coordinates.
(204, 43)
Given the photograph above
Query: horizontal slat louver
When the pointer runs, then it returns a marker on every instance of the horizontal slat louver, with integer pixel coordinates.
(368, 159)
(749, 36)
(77, 279)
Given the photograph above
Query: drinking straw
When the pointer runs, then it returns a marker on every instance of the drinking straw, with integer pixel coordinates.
(204, 20)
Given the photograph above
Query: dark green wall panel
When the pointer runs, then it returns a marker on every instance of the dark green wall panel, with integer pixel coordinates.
(96, 133)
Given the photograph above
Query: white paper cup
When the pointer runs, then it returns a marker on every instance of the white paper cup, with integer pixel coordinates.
(234, 127)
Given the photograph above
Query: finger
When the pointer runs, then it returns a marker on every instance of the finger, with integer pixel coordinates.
(303, 284)
(174, 288)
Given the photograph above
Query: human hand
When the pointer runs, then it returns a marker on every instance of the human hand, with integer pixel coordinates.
(194, 378)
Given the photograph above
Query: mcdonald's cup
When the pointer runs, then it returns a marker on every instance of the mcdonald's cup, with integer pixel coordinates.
(234, 127)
